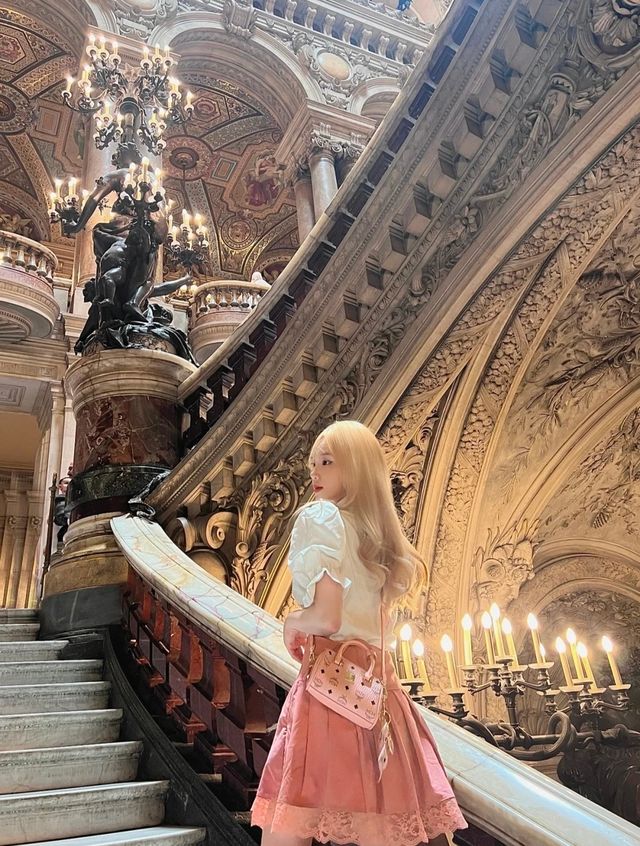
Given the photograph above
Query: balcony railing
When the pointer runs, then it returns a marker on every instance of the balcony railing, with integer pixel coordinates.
(29, 308)
(219, 667)
(27, 255)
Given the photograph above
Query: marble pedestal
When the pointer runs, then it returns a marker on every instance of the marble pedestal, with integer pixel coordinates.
(127, 432)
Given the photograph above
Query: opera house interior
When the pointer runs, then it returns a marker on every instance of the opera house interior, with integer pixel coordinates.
(225, 224)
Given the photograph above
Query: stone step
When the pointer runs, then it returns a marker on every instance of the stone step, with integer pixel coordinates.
(50, 672)
(156, 836)
(18, 631)
(18, 615)
(31, 650)
(80, 811)
(64, 728)
(70, 766)
(44, 698)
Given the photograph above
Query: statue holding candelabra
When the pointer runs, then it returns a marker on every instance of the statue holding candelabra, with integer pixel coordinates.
(128, 238)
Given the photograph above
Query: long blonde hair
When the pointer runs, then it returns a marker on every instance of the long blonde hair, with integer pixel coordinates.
(384, 549)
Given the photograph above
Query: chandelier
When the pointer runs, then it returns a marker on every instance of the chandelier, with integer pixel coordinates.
(188, 243)
(128, 104)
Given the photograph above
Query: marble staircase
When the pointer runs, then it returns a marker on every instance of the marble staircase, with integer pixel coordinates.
(65, 778)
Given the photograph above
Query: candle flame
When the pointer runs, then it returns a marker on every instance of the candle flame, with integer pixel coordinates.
(532, 621)
(467, 622)
(394, 643)
(486, 620)
(507, 628)
(560, 645)
(607, 645)
(418, 648)
(446, 643)
(571, 636)
(495, 611)
(405, 632)
(582, 650)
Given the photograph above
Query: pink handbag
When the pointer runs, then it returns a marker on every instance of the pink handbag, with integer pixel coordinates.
(344, 686)
(347, 688)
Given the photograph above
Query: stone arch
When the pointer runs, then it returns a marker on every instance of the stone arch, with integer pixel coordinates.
(523, 300)
(262, 59)
(374, 98)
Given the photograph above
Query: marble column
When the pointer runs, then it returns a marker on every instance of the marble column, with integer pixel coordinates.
(323, 179)
(303, 190)
(127, 432)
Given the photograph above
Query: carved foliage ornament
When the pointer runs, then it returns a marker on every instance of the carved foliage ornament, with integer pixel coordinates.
(505, 563)
(616, 23)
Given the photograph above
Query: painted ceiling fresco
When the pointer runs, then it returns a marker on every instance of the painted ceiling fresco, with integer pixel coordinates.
(222, 164)
(38, 137)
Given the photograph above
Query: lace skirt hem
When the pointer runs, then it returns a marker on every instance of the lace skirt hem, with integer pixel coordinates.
(369, 829)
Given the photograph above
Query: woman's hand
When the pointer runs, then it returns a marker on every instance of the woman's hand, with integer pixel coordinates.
(294, 639)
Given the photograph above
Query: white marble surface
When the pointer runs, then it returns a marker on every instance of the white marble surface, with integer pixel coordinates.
(498, 793)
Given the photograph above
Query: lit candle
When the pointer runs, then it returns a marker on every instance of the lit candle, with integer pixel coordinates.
(487, 623)
(189, 102)
(167, 54)
(157, 54)
(145, 56)
(58, 185)
(608, 648)
(532, 622)
(85, 74)
(72, 187)
(584, 658)
(497, 632)
(145, 169)
(561, 649)
(507, 628)
(115, 49)
(405, 650)
(70, 81)
(467, 625)
(418, 651)
(170, 227)
(573, 641)
(447, 647)
(543, 653)
(186, 222)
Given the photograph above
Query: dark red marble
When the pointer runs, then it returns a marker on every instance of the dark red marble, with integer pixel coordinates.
(126, 430)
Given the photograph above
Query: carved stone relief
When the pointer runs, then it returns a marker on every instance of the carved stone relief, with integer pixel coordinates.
(140, 17)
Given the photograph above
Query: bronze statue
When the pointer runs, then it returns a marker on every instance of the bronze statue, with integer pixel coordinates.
(126, 251)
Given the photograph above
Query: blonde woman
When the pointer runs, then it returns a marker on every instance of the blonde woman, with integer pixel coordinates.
(322, 779)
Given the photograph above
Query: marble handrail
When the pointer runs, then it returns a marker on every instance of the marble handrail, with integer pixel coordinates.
(500, 795)
(22, 253)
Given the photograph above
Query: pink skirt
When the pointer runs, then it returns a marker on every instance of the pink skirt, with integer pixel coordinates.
(321, 777)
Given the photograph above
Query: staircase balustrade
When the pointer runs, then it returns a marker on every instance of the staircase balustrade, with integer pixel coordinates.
(303, 272)
(218, 666)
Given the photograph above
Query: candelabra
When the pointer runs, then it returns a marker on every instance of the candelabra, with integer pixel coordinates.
(128, 103)
(65, 206)
(576, 725)
(187, 244)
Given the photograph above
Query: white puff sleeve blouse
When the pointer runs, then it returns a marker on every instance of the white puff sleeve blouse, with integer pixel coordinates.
(317, 547)
(325, 540)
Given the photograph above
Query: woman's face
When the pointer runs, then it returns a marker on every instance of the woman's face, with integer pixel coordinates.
(326, 475)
